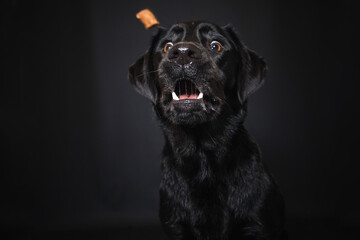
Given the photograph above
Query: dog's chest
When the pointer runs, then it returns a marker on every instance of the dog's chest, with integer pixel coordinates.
(209, 209)
(199, 190)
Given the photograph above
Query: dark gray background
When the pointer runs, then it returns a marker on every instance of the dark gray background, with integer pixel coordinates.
(81, 147)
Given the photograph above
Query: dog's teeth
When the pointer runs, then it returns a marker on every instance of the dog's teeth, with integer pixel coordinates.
(201, 95)
(174, 96)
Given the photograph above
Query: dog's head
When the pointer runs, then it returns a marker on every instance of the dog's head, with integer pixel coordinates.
(193, 72)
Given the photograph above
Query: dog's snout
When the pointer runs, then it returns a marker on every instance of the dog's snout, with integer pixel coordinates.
(184, 54)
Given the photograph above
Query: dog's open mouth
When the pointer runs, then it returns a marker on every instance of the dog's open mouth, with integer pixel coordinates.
(185, 89)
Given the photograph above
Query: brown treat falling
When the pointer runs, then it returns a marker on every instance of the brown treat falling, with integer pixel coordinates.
(147, 18)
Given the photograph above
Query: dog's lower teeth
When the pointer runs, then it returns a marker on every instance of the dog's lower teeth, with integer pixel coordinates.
(201, 95)
(174, 96)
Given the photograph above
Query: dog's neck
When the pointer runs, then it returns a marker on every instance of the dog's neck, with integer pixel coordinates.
(207, 148)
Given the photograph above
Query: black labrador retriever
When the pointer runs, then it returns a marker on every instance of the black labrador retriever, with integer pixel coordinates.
(214, 185)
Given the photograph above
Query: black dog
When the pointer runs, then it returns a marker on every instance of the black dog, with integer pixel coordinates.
(214, 185)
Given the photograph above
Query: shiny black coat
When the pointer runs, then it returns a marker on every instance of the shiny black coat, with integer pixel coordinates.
(214, 184)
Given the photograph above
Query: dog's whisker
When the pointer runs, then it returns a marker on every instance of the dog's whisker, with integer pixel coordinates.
(140, 75)
(212, 139)
(224, 101)
(218, 112)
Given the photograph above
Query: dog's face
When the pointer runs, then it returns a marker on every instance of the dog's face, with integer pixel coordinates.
(193, 72)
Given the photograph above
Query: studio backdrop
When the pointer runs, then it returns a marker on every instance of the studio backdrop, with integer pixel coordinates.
(79, 145)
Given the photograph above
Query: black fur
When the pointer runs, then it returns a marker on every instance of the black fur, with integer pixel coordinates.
(214, 184)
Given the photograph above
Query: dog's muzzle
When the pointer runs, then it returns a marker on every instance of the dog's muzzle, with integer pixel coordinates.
(185, 55)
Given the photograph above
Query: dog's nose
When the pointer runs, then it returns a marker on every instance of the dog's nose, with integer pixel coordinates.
(184, 53)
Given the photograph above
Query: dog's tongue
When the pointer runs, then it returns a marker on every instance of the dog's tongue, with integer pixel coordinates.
(184, 96)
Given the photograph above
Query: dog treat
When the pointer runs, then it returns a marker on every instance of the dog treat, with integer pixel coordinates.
(147, 18)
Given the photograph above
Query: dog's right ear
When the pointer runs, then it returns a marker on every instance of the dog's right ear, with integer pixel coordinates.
(139, 77)
(141, 73)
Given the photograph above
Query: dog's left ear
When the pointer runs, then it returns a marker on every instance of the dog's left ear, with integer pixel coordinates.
(139, 77)
(252, 68)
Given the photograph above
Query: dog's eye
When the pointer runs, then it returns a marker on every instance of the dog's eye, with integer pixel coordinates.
(216, 46)
(167, 46)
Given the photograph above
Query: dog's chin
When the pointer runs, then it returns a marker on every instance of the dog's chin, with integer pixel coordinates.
(190, 112)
